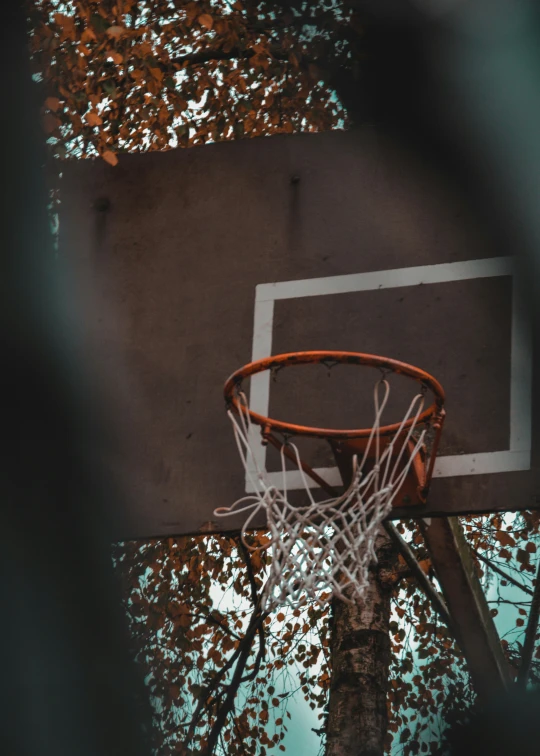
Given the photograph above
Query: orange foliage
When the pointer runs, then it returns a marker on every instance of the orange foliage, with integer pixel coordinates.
(164, 73)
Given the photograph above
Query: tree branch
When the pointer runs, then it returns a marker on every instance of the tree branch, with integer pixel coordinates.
(425, 584)
(249, 569)
(255, 627)
(256, 601)
(207, 56)
(238, 735)
(501, 572)
(232, 689)
(214, 620)
(240, 658)
(207, 692)
(530, 633)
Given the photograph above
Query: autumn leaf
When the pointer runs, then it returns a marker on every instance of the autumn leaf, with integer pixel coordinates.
(405, 735)
(65, 22)
(157, 73)
(117, 58)
(184, 620)
(504, 538)
(228, 643)
(88, 35)
(52, 103)
(110, 157)
(206, 20)
(92, 119)
(115, 32)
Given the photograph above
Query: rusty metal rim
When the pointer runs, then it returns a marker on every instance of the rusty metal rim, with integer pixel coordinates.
(279, 361)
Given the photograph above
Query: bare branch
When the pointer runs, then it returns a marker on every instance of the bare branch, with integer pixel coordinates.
(501, 572)
(232, 689)
(255, 627)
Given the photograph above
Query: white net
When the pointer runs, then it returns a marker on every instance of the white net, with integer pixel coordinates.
(326, 546)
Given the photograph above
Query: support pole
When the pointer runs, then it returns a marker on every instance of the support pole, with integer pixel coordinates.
(475, 630)
(425, 583)
(530, 633)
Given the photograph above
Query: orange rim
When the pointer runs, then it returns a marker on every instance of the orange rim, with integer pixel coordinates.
(234, 383)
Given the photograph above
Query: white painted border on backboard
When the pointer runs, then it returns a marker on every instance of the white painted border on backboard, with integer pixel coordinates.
(516, 457)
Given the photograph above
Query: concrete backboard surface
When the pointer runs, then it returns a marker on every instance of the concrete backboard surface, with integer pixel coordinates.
(199, 260)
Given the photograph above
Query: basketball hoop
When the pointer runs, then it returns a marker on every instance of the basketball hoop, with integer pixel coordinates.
(329, 545)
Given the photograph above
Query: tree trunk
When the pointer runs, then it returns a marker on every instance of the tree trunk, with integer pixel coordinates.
(357, 719)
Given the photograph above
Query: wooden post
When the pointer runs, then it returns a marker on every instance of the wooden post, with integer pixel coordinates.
(475, 630)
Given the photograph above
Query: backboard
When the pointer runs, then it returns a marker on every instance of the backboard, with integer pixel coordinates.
(202, 260)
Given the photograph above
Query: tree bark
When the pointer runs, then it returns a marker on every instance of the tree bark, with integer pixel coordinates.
(361, 652)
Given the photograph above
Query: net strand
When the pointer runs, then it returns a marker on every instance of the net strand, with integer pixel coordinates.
(324, 547)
